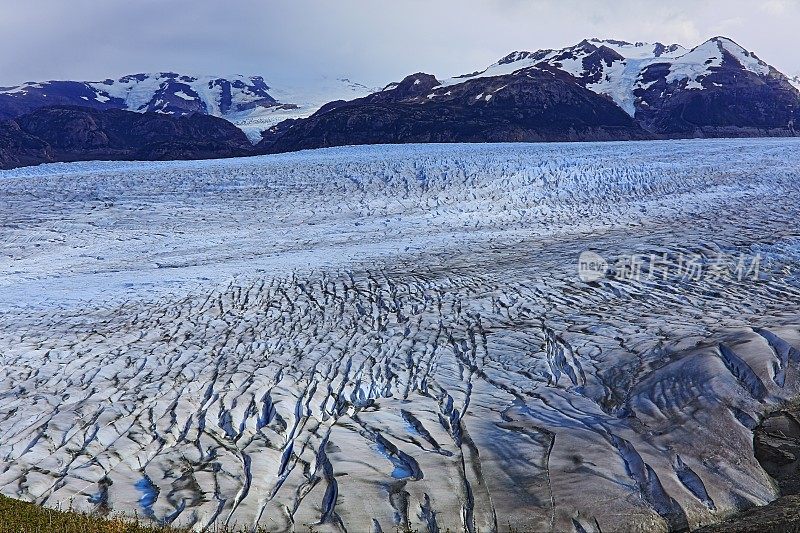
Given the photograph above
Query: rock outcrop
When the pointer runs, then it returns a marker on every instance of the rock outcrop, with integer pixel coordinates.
(80, 134)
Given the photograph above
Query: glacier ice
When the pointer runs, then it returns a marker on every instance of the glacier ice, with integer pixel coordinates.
(397, 336)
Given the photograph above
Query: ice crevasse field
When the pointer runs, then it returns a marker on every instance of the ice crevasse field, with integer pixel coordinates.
(374, 338)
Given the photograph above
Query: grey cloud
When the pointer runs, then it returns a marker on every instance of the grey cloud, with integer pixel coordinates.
(374, 41)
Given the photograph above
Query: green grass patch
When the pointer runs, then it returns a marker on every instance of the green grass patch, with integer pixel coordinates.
(23, 517)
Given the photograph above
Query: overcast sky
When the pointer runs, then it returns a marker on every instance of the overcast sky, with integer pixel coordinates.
(372, 41)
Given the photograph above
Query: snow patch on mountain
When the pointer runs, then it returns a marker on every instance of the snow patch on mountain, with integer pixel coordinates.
(641, 50)
(181, 94)
(216, 96)
(696, 65)
(21, 89)
(747, 59)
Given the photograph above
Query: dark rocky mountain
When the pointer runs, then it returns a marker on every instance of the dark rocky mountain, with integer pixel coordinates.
(19, 149)
(79, 134)
(541, 105)
(583, 92)
(776, 444)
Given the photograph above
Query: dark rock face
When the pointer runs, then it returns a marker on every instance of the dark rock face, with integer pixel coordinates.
(541, 105)
(780, 516)
(411, 88)
(777, 447)
(174, 97)
(661, 49)
(776, 443)
(596, 61)
(18, 148)
(80, 134)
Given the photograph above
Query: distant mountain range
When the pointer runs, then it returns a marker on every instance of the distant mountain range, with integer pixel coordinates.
(249, 102)
(595, 90)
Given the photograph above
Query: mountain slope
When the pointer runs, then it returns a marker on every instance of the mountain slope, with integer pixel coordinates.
(19, 148)
(80, 134)
(606, 67)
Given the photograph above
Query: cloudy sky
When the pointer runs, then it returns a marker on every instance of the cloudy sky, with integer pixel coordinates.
(373, 41)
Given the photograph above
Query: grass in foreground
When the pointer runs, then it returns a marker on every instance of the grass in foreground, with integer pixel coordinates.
(24, 517)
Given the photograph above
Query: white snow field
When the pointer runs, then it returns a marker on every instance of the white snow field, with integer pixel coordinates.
(381, 338)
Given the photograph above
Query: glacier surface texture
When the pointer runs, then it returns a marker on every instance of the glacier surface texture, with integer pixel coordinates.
(382, 338)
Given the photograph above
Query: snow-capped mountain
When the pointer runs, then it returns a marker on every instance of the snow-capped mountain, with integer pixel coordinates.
(250, 102)
(625, 71)
(164, 92)
(607, 67)
(795, 81)
(536, 106)
(716, 89)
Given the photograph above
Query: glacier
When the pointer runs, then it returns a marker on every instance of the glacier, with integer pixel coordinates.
(397, 337)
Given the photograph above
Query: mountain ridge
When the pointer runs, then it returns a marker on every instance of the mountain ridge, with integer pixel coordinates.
(250, 102)
(716, 89)
(598, 89)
